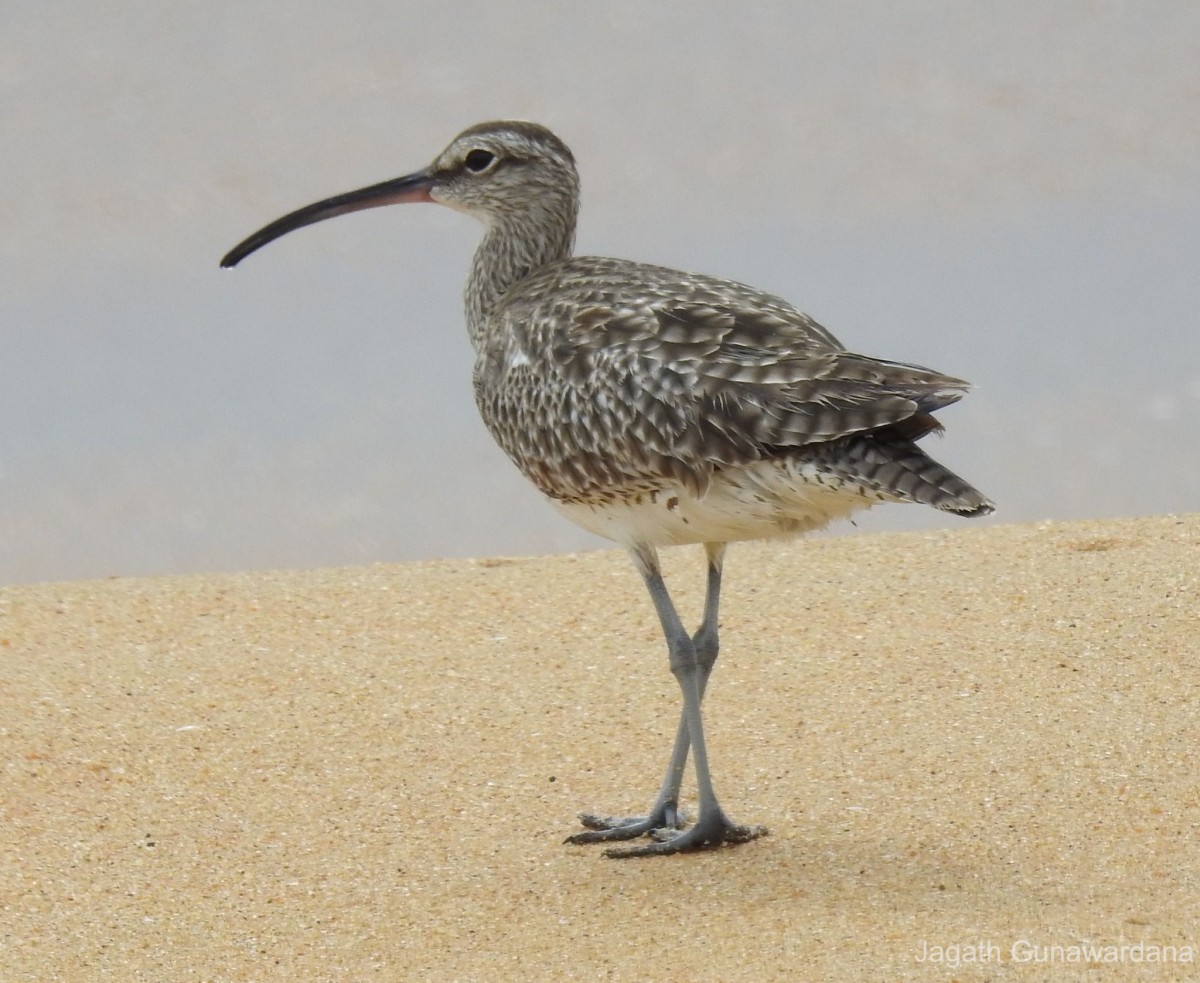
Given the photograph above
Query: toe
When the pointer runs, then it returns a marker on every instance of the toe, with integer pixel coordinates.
(708, 833)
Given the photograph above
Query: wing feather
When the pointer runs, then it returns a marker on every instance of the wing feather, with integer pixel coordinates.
(679, 382)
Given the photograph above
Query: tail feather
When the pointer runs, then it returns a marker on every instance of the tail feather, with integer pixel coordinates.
(893, 466)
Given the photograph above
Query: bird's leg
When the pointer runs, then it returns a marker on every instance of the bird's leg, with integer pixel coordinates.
(712, 827)
(706, 642)
(664, 813)
(691, 659)
(707, 646)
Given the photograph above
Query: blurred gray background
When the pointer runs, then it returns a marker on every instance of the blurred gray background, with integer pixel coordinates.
(1006, 192)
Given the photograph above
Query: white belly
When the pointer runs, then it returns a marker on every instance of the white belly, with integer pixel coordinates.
(766, 499)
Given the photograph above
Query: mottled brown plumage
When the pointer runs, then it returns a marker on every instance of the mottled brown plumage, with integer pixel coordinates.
(657, 407)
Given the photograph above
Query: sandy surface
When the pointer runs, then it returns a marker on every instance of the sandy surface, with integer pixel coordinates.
(983, 737)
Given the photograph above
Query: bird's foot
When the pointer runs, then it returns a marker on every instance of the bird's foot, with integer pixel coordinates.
(710, 831)
(663, 819)
(664, 825)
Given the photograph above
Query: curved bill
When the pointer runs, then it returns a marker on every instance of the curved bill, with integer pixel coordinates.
(413, 187)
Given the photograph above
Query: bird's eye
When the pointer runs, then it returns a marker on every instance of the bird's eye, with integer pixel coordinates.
(479, 161)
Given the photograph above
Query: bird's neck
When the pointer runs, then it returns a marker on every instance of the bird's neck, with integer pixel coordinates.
(513, 247)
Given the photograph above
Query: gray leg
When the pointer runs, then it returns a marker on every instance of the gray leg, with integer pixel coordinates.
(705, 640)
(707, 646)
(691, 659)
(664, 814)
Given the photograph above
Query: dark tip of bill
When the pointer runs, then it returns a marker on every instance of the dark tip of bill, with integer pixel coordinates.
(233, 257)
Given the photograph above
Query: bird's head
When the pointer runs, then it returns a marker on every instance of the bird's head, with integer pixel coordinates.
(492, 171)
